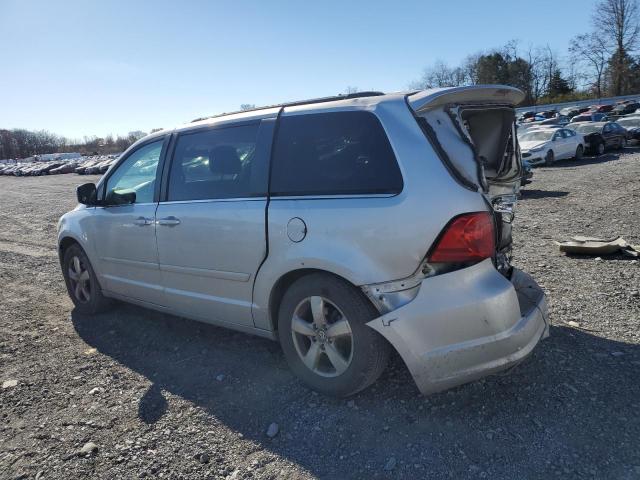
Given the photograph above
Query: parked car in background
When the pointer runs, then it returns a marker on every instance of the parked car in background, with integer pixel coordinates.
(589, 117)
(526, 115)
(557, 120)
(68, 167)
(548, 113)
(600, 136)
(546, 145)
(625, 108)
(532, 119)
(570, 112)
(600, 108)
(343, 227)
(632, 125)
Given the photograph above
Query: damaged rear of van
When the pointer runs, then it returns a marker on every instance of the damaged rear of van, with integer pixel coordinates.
(471, 313)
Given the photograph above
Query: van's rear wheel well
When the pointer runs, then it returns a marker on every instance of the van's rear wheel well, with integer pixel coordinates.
(284, 283)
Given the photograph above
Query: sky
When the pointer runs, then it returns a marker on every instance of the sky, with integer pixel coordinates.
(80, 68)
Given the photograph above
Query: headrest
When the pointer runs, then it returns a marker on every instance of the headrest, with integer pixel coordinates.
(224, 160)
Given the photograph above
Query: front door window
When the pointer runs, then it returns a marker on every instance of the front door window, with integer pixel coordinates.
(136, 174)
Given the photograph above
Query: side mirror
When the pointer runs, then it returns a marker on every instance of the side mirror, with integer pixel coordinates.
(86, 194)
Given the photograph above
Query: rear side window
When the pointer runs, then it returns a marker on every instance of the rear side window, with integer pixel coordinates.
(337, 153)
(216, 163)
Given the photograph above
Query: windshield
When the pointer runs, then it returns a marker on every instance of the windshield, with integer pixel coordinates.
(629, 122)
(587, 128)
(538, 136)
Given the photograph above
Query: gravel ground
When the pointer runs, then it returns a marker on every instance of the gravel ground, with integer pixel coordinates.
(151, 395)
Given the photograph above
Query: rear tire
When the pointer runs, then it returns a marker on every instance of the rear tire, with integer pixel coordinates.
(549, 158)
(82, 283)
(579, 152)
(324, 336)
(600, 148)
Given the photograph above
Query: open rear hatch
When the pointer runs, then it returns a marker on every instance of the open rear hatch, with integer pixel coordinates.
(473, 130)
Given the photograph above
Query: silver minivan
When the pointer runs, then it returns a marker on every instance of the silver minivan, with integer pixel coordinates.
(342, 227)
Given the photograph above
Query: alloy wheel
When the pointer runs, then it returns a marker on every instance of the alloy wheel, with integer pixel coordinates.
(322, 336)
(80, 280)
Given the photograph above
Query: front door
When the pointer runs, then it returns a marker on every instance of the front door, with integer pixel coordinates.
(610, 139)
(125, 232)
(559, 145)
(211, 225)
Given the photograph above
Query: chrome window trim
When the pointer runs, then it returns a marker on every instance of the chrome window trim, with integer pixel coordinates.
(333, 197)
(215, 200)
(127, 205)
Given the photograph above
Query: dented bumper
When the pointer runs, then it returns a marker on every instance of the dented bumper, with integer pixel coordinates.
(465, 325)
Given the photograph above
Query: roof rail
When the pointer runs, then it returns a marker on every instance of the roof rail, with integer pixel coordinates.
(298, 102)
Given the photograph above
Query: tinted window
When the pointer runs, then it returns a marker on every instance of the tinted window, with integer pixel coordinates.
(215, 163)
(136, 174)
(333, 154)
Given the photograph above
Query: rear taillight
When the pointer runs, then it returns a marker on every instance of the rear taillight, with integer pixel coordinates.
(467, 238)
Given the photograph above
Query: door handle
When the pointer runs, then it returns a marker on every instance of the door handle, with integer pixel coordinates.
(169, 221)
(142, 221)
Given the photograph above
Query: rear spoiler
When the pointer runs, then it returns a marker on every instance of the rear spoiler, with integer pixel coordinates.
(475, 94)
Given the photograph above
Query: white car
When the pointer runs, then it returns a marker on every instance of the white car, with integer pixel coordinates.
(546, 145)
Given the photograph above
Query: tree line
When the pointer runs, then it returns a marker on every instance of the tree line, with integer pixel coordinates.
(20, 143)
(602, 62)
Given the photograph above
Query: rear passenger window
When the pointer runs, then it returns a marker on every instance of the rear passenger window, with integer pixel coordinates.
(216, 163)
(338, 153)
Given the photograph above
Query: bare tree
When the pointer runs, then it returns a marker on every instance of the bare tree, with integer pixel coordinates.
(591, 49)
(440, 74)
(470, 68)
(537, 73)
(618, 22)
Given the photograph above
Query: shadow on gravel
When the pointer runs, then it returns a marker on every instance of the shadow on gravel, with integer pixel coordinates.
(533, 194)
(604, 158)
(569, 410)
(616, 257)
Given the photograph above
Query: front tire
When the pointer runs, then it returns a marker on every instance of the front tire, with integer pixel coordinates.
(324, 336)
(579, 152)
(600, 148)
(82, 283)
(549, 158)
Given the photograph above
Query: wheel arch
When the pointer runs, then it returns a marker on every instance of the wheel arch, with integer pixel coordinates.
(64, 243)
(286, 280)
(67, 241)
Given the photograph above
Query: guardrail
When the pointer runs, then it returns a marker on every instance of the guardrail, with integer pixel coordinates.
(580, 103)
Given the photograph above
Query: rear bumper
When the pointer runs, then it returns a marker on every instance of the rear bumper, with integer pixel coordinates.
(465, 325)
